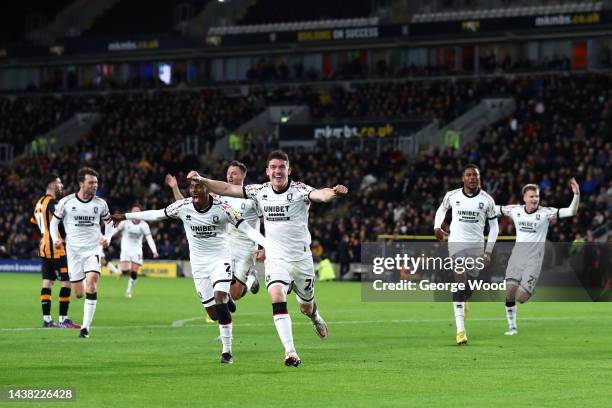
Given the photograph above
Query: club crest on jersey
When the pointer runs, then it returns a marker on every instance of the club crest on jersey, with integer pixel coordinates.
(264, 197)
(290, 197)
(188, 217)
(216, 219)
(242, 206)
(481, 205)
(73, 208)
(95, 210)
(538, 217)
(457, 202)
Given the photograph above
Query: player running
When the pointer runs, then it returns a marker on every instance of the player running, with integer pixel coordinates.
(54, 264)
(205, 220)
(241, 247)
(531, 224)
(81, 214)
(132, 233)
(285, 205)
(471, 209)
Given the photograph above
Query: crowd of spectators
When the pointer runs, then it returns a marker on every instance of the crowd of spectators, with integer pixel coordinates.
(561, 129)
(24, 119)
(442, 100)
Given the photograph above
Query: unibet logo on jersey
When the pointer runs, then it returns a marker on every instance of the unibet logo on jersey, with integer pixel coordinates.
(286, 216)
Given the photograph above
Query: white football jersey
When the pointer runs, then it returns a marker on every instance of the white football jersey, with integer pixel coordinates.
(470, 215)
(530, 227)
(250, 212)
(531, 230)
(81, 221)
(132, 234)
(286, 218)
(206, 230)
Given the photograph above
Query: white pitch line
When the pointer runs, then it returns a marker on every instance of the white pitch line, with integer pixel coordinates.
(181, 323)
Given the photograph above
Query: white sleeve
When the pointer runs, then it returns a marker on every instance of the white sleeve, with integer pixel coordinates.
(60, 209)
(151, 243)
(572, 209)
(119, 228)
(150, 215)
(441, 212)
(149, 238)
(253, 235)
(501, 210)
(108, 230)
(251, 190)
(493, 232)
(54, 229)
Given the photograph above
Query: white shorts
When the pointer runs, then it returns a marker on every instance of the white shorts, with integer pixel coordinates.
(133, 255)
(242, 265)
(524, 274)
(211, 279)
(298, 275)
(80, 263)
(466, 251)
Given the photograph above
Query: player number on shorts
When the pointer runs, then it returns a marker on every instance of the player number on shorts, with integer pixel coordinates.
(308, 285)
(228, 269)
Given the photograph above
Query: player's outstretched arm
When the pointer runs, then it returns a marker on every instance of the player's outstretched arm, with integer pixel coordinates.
(255, 235)
(171, 182)
(150, 215)
(573, 207)
(325, 195)
(217, 187)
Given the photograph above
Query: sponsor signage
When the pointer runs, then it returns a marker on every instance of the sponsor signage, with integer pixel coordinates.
(155, 269)
(349, 130)
(20, 266)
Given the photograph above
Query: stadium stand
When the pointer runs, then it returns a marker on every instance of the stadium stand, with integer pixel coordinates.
(25, 118)
(560, 122)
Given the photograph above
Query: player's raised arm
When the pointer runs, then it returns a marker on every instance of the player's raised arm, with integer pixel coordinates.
(171, 182)
(439, 219)
(325, 195)
(217, 187)
(573, 207)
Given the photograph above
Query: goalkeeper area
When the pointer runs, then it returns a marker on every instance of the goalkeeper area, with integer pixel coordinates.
(378, 354)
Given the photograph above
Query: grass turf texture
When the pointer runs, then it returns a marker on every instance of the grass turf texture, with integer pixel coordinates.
(378, 354)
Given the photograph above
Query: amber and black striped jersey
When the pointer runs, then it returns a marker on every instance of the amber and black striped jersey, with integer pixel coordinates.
(43, 211)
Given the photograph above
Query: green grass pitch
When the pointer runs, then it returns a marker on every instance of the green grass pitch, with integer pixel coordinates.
(156, 350)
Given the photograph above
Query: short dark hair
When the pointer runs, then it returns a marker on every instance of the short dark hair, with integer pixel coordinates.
(240, 165)
(86, 171)
(277, 154)
(470, 166)
(50, 178)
